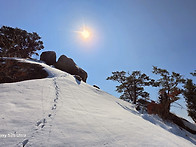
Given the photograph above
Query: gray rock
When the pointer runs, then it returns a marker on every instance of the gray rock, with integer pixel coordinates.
(68, 65)
(83, 74)
(49, 57)
(96, 86)
(78, 77)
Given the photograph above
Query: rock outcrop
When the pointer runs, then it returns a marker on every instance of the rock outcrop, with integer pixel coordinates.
(49, 57)
(12, 70)
(83, 74)
(68, 65)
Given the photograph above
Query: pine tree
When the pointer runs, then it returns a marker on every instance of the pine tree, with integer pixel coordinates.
(169, 91)
(15, 42)
(190, 97)
(194, 73)
(131, 85)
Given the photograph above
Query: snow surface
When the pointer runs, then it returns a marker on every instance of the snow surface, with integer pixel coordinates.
(61, 111)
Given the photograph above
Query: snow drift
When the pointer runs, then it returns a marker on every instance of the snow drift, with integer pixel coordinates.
(61, 111)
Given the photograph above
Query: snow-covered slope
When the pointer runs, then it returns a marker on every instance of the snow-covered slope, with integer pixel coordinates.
(61, 111)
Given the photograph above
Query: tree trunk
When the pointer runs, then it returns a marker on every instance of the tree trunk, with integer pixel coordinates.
(134, 96)
(130, 96)
(164, 113)
(166, 110)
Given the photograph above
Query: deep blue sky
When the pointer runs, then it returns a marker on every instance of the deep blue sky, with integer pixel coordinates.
(126, 34)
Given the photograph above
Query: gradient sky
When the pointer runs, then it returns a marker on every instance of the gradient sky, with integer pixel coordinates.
(126, 34)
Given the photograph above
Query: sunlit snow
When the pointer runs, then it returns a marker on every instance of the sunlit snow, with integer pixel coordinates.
(60, 111)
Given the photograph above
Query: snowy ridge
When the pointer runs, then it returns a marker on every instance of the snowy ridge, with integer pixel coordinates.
(61, 111)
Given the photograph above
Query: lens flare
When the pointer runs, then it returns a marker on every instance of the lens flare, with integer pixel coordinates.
(84, 33)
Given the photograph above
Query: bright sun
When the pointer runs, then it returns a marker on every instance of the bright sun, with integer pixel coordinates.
(85, 33)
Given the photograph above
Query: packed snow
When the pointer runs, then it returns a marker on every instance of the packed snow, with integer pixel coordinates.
(61, 111)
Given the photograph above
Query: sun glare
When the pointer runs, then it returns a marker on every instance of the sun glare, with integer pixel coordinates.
(85, 34)
(85, 37)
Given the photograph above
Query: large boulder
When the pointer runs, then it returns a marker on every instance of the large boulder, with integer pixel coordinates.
(68, 65)
(83, 74)
(12, 70)
(49, 57)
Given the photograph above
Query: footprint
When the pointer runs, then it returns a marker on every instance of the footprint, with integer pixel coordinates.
(54, 107)
(41, 123)
(44, 120)
(25, 142)
(38, 123)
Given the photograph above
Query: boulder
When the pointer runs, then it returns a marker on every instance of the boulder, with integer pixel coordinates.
(16, 71)
(77, 77)
(82, 74)
(96, 86)
(49, 57)
(68, 65)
